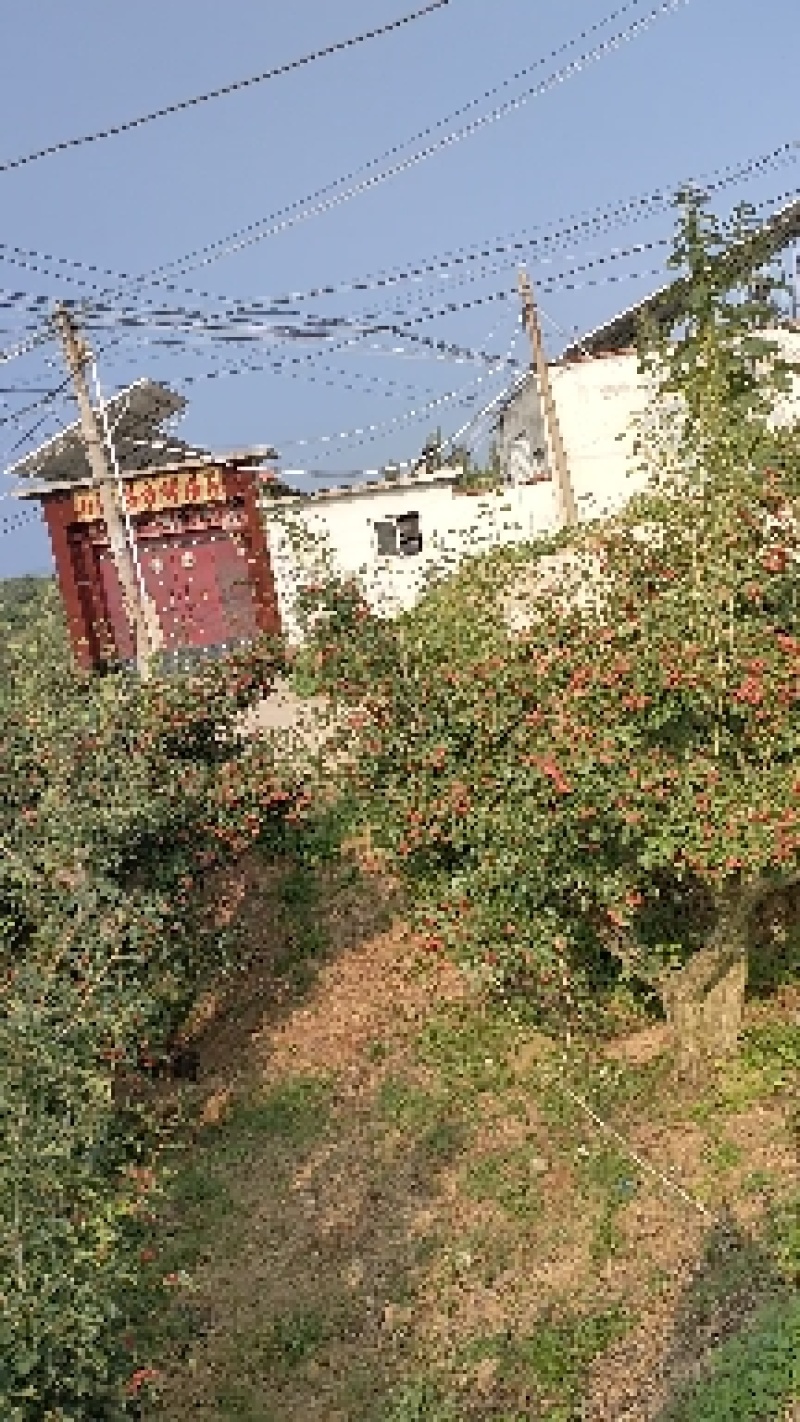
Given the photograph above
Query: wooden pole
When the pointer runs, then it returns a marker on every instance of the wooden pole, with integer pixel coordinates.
(77, 355)
(566, 498)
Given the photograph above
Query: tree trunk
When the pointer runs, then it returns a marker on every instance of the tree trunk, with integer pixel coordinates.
(704, 1001)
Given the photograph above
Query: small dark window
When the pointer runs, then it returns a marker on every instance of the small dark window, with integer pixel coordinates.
(409, 536)
(386, 534)
(398, 537)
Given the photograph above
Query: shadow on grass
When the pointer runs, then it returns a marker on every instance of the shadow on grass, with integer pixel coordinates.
(287, 1227)
(304, 1257)
(735, 1350)
(298, 901)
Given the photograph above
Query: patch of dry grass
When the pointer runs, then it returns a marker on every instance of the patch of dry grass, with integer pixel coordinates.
(396, 1201)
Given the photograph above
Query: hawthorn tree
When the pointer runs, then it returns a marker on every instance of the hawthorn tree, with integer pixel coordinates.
(117, 801)
(617, 782)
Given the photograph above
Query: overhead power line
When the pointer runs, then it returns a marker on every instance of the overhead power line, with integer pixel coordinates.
(24, 390)
(247, 321)
(46, 398)
(18, 520)
(23, 347)
(155, 277)
(225, 327)
(224, 91)
(249, 325)
(256, 320)
(364, 433)
(466, 395)
(329, 197)
(573, 228)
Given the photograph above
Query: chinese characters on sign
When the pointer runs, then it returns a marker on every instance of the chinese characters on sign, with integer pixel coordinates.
(163, 491)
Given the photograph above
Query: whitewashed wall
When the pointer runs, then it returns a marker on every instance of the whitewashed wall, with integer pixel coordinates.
(337, 530)
(597, 402)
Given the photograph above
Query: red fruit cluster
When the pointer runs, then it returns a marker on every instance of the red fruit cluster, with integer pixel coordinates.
(750, 693)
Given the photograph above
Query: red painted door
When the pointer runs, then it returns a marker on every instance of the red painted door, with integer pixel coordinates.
(236, 589)
(179, 575)
(201, 587)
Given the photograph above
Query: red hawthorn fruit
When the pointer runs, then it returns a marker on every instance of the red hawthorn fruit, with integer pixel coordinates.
(750, 692)
(774, 560)
(138, 1379)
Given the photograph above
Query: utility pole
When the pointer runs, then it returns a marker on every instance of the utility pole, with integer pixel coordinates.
(140, 617)
(564, 492)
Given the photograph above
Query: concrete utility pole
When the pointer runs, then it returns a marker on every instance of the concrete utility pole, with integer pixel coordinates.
(566, 498)
(77, 355)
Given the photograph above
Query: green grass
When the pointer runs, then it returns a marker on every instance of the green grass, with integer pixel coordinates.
(420, 1401)
(469, 1050)
(751, 1377)
(724, 1155)
(238, 1402)
(614, 1090)
(773, 1049)
(291, 1115)
(201, 1191)
(610, 1179)
(549, 1365)
(444, 1139)
(289, 1342)
(290, 1346)
(783, 1237)
(768, 1064)
(294, 1113)
(434, 1127)
(405, 1105)
(305, 935)
(508, 1179)
(201, 1209)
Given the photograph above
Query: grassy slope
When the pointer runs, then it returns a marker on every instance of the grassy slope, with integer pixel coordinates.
(403, 1216)
(400, 1215)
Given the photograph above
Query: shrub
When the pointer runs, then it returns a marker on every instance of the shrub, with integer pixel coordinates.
(614, 787)
(118, 799)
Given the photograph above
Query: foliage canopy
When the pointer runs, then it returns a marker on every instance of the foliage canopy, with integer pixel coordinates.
(612, 780)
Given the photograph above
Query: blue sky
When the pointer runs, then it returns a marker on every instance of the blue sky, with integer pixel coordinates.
(706, 86)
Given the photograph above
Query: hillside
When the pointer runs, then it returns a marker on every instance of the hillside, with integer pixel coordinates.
(409, 1028)
(398, 1209)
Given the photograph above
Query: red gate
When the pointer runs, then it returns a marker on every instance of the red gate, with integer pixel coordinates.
(203, 561)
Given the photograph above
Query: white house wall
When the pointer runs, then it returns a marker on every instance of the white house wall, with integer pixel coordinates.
(597, 401)
(339, 536)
